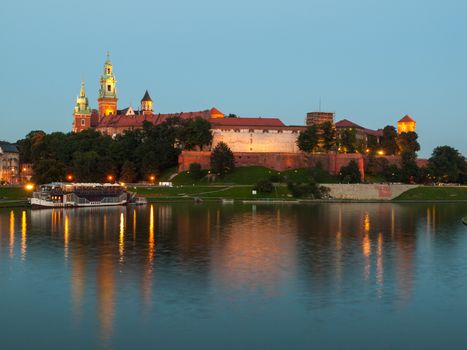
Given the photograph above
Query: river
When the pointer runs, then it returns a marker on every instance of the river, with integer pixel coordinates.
(212, 276)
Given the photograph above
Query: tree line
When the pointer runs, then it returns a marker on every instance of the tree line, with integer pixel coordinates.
(90, 156)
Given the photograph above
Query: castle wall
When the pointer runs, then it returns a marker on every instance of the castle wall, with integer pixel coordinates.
(280, 161)
(257, 140)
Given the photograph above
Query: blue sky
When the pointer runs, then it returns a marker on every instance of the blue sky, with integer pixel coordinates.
(368, 61)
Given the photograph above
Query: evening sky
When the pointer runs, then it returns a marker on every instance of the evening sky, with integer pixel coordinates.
(368, 61)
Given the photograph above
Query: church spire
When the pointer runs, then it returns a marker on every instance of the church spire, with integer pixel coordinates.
(82, 103)
(108, 92)
(146, 103)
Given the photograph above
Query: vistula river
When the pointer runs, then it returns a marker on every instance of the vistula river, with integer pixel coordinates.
(212, 276)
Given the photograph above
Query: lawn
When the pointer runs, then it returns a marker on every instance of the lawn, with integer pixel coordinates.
(13, 193)
(435, 193)
(252, 174)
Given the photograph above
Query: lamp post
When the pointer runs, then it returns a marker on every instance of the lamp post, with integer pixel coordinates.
(110, 178)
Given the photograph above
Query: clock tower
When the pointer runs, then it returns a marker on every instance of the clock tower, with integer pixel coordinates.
(107, 100)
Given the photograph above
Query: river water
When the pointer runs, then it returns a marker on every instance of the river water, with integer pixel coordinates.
(211, 276)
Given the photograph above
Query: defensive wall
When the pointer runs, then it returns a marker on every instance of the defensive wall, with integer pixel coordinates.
(367, 191)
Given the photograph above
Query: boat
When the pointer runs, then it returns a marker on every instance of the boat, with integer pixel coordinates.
(61, 195)
(137, 201)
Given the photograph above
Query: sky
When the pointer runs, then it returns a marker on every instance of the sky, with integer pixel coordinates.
(368, 61)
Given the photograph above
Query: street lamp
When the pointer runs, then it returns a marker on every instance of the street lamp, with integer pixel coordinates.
(152, 178)
(110, 178)
(69, 177)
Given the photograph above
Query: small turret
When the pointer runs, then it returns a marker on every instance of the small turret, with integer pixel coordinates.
(406, 124)
(146, 103)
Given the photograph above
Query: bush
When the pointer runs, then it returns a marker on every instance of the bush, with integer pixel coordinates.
(307, 190)
(350, 173)
(264, 186)
(222, 159)
(195, 171)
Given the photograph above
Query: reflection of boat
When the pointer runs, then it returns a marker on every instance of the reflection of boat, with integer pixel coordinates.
(227, 201)
(78, 195)
(137, 201)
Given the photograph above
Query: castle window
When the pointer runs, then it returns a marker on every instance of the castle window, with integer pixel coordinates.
(83, 122)
(108, 70)
(265, 131)
(109, 88)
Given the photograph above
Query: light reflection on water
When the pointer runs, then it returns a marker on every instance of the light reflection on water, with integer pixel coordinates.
(210, 276)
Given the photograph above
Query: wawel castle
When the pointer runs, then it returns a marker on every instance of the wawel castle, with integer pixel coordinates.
(254, 141)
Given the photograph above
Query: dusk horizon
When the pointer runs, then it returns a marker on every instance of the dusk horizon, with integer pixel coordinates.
(368, 64)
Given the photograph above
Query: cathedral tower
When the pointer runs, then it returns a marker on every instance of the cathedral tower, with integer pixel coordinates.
(406, 124)
(108, 92)
(146, 104)
(82, 112)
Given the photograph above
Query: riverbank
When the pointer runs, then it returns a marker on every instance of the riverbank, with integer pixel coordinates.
(345, 193)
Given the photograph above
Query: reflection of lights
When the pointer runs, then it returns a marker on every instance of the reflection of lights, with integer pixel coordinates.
(66, 234)
(121, 242)
(23, 234)
(151, 233)
(366, 223)
(12, 232)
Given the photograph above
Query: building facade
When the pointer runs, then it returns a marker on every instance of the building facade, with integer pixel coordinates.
(9, 163)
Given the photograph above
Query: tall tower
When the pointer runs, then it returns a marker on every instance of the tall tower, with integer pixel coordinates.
(82, 112)
(108, 92)
(146, 104)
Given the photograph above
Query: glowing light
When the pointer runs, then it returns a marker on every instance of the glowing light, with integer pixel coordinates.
(110, 178)
(122, 184)
(151, 234)
(29, 187)
(381, 153)
(69, 177)
(66, 234)
(152, 178)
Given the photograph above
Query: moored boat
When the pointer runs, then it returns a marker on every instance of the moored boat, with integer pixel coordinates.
(59, 195)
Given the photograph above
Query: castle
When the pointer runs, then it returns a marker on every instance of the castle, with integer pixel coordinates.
(254, 141)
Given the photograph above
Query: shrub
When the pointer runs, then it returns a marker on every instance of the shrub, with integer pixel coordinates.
(222, 159)
(264, 186)
(195, 171)
(350, 173)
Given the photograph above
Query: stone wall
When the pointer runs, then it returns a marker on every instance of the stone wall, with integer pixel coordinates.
(367, 191)
(257, 140)
(280, 161)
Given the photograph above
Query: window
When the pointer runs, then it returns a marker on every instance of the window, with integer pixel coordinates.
(108, 70)
(109, 88)
(265, 131)
(83, 122)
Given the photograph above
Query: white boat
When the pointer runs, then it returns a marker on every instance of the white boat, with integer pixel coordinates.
(59, 195)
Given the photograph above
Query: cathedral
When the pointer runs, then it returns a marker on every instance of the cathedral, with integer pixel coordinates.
(110, 120)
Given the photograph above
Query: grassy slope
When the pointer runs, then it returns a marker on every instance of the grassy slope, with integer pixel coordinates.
(13, 193)
(252, 174)
(435, 193)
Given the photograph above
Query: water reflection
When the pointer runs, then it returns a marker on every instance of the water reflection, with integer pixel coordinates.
(144, 261)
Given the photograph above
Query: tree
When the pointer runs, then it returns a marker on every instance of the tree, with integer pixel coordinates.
(447, 165)
(409, 169)
(48, 170)
(350, 173)
(328, 135)
(307, 140)
(407, 142)
(264, 186)
(128, 172)
(195, 171)
(231, 115)
(194, 133)
(389, 140)
(222, 159)
(348, 140)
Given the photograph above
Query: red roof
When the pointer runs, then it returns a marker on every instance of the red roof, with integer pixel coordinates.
(407, 119)
(247, 122)
(378, 132)
(214, 110)
(344, 123)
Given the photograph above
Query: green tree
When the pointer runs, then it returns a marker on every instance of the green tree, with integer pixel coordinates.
(328, 135)
(48, 170)
(389, 140)
(128, 172)
(350, 173)
(407, 142)
(264, 186)
(307, 140)
(409, 169)
(195, 170)
(447, 165)
(348, 141)
(194, 133)
(222, 159)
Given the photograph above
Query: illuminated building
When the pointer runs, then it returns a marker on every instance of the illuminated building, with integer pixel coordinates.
(406, 124)
(9, 163)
